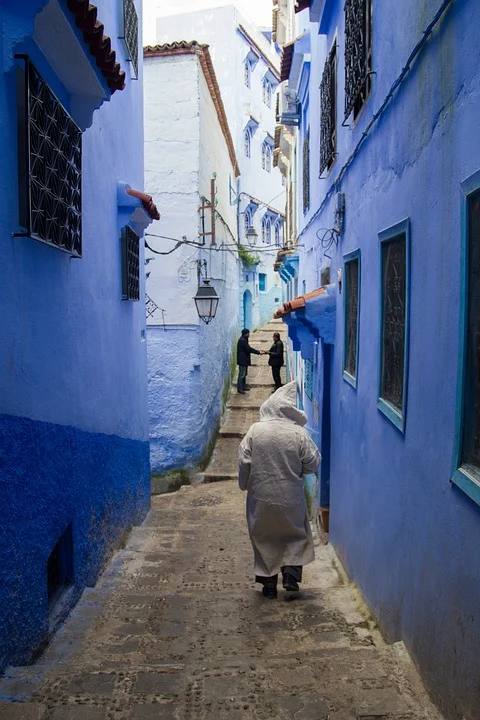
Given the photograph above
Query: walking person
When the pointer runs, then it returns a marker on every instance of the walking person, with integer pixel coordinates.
(244, 353)
(274, 456)
(276, 360)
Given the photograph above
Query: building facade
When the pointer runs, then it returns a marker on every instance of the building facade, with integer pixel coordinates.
(190, 165)
(73, 422)
(387, 174)
(246, 63)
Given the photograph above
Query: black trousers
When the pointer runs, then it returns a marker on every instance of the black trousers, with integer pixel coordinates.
(294, 570)
(277, 378)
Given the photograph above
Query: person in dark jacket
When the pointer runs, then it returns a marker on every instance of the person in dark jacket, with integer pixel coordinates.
(276, 360)
(244, 352)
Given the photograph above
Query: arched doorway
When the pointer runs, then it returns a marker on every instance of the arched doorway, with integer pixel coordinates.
(247, 309)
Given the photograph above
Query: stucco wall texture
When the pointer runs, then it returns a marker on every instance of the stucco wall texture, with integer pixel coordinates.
(403, 531)
(188, 361)
(73, 431)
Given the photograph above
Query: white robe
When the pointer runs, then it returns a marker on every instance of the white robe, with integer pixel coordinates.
(274, 456)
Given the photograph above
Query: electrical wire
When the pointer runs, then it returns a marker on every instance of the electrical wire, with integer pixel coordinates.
(335, 186)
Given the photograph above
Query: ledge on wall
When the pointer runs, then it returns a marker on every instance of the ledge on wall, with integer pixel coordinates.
(136, 208)
(309, 318)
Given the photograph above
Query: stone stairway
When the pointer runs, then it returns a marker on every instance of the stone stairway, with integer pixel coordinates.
(242, 410)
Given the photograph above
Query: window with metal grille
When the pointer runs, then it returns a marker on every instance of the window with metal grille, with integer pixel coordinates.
(130, 264)
(247, 70)
(352, 307)
(130, 32)
(328, 112)
(358, 54)
(306, 171)
(308, 378)
(50, 165)
(262, 282)
(266, 230)
(248, 142)
(267, 157)
(394, 322)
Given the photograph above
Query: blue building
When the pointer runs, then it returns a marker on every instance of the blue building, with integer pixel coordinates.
(383, 100)
(74, 458)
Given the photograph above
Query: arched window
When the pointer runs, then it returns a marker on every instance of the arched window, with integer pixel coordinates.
(267, 92)
(248, 220)
(248, 142)
(247, 71)
(277, 234)
(267, 157)
(266, 230)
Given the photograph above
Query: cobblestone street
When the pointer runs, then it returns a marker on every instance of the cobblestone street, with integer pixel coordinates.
(176, 629)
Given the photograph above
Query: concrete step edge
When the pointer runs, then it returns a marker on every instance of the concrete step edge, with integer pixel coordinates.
(218, 477)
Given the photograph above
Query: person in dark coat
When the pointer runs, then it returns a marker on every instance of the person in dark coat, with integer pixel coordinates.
(244, 352)
(276, 360)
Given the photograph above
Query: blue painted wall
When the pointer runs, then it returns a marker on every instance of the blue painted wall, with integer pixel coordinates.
(405, 534)
(188, 369)
(73, 430)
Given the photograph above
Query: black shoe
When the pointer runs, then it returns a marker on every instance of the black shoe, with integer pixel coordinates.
(241, 392)
(269, 592)
(290, 584)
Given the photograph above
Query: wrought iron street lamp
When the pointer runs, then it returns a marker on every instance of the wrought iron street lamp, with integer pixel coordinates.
(206, 299)
(251, 234)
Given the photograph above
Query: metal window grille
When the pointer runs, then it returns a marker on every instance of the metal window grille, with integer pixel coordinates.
(246, 72)
(130, 32)
(150, 306)
(306, 171)
(394, 268)
(308, 378)
(328, 112)
(130, 264)
(358, 54)
(248, 143)
(50, 165)
(352, 271)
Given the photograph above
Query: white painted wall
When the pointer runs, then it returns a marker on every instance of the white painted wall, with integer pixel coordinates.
(172, 140)
(188, 362)
(218, 27)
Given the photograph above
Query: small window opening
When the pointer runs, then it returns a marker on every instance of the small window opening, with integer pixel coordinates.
(60, 567)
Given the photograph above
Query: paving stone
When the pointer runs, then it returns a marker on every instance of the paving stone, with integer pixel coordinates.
(21, 711)
(77, 712)
(157, 683)
(153, 711)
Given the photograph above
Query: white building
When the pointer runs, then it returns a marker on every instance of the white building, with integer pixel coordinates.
(189, 155)
(247, 66)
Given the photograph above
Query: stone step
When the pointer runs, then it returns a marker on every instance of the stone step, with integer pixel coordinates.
(251, 400)
(210, 477)
(224, 460)
(235, 423)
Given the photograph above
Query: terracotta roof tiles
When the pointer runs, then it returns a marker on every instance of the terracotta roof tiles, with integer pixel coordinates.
(100, 44)
(298, 303)
(147, 202)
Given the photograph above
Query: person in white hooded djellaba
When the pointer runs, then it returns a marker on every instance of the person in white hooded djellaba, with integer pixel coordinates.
(274, 456)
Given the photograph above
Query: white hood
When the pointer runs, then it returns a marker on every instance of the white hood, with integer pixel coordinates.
(282, 405)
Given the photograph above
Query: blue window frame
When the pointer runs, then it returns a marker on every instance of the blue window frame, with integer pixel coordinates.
(262, 282)
(466, 465)
(394, 322)
(352, 279)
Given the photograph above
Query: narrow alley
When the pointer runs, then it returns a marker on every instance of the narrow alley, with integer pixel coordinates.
(175, 629)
